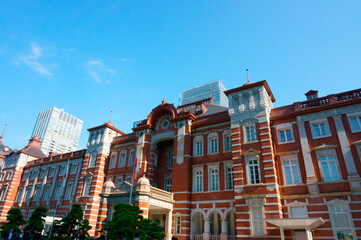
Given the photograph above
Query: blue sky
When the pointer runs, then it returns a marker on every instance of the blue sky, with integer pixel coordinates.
(91, 57)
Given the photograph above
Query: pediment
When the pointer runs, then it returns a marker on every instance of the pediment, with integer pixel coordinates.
(124, 187)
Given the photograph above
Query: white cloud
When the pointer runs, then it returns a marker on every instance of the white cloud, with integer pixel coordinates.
(32, 60)
(97, 70)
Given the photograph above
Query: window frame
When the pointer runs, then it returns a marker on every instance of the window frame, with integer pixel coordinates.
(121, 180)
(227, 134)
(358, 119)
(92, 160)
(42, 173)
(87, 186)
(167, 185)
(113, 160)
(37, 192)
(338, 202)
(51, 172)
(73, 168)
(245, 133)
(46, 194)
(248, 158)
(4, 191)
(62, 171)
(121, 162)
(226, 176)
(318, 122)
(196, 152)
(211, 187)
(9, 176)
(177, 224)
(251, 217)
(284, 129)
(288, 157)
(195, 178)
(213, 136)
(131, 157)
(19, 194)
(320, 153)
(57, 189)
(70, 191)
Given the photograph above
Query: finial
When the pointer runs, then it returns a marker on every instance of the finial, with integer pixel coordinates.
(3, 131)
(110, 118)
(164, 101)
(247, 75)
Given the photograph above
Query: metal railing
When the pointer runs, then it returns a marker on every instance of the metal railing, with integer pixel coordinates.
(197, 237)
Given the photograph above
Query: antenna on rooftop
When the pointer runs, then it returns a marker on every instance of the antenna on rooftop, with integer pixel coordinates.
(110, 118)
(179, 99)
(247, 75)
(3, 131)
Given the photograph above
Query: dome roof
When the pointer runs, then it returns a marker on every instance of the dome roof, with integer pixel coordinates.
(109, 124)
(36, 138)
(109, 184)
(143, 180)
(247, 83)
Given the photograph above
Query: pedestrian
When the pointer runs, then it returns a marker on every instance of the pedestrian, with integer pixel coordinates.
(9, 235)
(37, 235)
(74, 237)
(136, 237)
(16, 235)
(26, 235)
(82, 235)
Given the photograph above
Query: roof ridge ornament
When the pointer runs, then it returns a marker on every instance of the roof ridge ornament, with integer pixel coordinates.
(164, 101)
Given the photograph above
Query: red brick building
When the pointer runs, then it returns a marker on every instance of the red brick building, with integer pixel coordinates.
(205, 171)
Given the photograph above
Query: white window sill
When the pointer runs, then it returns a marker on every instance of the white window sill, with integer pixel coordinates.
(198, 155)
(314, 137)
(213, 153)
(280, 143)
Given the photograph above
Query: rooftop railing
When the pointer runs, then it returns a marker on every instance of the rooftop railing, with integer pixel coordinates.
(328, 100)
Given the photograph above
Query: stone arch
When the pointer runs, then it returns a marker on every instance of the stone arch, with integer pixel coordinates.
(159, 111)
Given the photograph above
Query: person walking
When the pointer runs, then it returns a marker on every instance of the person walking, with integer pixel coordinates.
(26, 235)
(82, 235)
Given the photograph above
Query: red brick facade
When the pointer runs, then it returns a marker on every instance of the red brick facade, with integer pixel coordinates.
(249, 171)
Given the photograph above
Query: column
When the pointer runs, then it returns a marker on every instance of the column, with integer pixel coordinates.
(282, 233)
(168, 230)
(206, 233)
(345, 148)
(310, 171)
(224, 228)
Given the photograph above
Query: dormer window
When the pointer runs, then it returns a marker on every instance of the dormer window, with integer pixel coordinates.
(311, 95)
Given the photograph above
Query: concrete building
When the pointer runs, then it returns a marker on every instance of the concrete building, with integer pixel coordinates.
(213, 89)
(58, 131)
(249, 171)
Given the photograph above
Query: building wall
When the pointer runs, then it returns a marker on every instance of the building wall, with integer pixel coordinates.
(262, 140)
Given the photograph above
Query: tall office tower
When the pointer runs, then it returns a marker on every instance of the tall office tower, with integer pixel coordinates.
(215, 89)
(58, 131)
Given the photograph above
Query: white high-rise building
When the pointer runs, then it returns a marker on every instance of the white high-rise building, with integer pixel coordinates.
(213, 89)
(58, 131)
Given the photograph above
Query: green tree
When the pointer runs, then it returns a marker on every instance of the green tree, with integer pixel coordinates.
(72, 223)
(127, 222)
(36, 220)
(85, 226)
(14, 220)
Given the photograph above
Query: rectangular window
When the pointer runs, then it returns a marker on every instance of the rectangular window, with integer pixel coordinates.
(20, 193)
(51, 172)
(213, 145)
(33, 175)
(214, 179)
(250, 133)
(87, 185)
(128, 178)
(341, 222)
(92, 160)
(2, 176)
(355, 123)
(42, 173)
(235, 101)
(46, 192)
(229, 178)
(57, 191)
(168, 184)
(37, 192)
(118, 181)
(69, 188)
(112, 161)
(319, 129)
(291, 169)
(10, 174)
(198, 147)
(25, 176)
(198, 180)
(122, 157)
(298, 212)
(253, 169)
(227, 143)
(27, 194)
(170, 157)
(62, 171)
(177, 224)
(3, 193)
(131, 158)
(73, 168)
(245, 98)
(328, 165)
(257, 221)
(285, 135)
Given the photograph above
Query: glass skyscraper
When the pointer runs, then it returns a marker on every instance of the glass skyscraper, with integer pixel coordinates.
(58, 131)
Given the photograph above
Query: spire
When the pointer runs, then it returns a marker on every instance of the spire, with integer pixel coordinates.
(247, 75)
(110, 118)
(3, 133)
